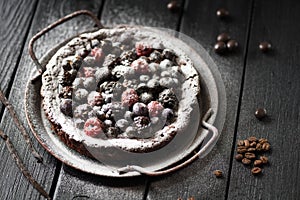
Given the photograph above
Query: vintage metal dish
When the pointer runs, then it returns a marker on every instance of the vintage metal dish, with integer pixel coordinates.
(212, 103)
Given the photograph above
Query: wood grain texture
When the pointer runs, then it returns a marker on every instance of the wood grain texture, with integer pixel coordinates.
(200, 22)
(139, 12)
(272, 81)
(74, 184)
(13, 184)
(14, 22)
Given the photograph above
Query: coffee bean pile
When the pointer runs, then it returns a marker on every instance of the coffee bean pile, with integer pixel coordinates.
(249, 153)
(225, 43)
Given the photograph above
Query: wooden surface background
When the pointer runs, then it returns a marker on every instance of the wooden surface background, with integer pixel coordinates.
(252, 79)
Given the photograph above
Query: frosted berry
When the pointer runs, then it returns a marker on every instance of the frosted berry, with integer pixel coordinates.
(66, 107)
(169, 54)
(128, 115)
(140, 66)
(146, 97)
(140, 109)
(82, 111)
(141, 121)
(154, 108)
(89, 71)
(113, 132)
(129, 97)
(168, 98)
(166, 63)
(81, 94)
(97, 53)
(93, 127)
(143, 49)
(89, 83)
(167, 115)
(155, 56)
(122, 124)
(153, 83)
(95, 99)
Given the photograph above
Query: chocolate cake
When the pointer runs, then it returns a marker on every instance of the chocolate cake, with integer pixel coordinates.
(119, 87)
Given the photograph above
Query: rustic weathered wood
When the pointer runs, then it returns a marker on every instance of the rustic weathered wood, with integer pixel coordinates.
(200, 22)
(13, 184)
(74, 184)
(272, 81)
(14, 22)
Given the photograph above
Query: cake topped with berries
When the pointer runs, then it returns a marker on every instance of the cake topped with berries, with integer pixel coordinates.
(119, 87)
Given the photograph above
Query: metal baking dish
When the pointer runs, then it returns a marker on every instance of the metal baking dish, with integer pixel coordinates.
(212, 105)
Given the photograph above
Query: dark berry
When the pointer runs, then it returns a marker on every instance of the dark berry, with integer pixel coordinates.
(66, 65)
(173, 6)
(84, 53)
(168, 99)
(265, 46)
(167, 114)
(129, 97)
(146, 97)
(95, 99)
(113, 132)
(220, 47)
(128, 115)
(222, 13)
(232, 45)
(169, 54)
(93, 127)
(143, 49)
(260, 113)
(66, 107)
(140, 109)
(141, 121)
(223, 37)
(155, 56)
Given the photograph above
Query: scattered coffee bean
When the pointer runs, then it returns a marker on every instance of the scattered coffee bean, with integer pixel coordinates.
(191, 198)
(242, 149)
(246, 161)
(256, 170)
(232, 45)
(258, 163)
(262, 140)
(246, 143)
(173, 6)
(218, 173)
(258, 147)
(264, 159)
(252, 139)
(222, 13)
(266, 146)
(260, 113)
(252, 144)
(240, 143)
(223, 37)
(239, 157)
(220, 47)
(250, 155)
(251, 149)
(265, 46)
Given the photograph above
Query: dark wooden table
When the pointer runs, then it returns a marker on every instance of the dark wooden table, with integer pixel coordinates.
(252, 79)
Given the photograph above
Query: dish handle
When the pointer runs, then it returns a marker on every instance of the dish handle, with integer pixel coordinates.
(53, 25)
(200, 154)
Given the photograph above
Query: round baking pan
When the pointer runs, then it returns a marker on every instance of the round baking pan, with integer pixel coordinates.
(212, 104)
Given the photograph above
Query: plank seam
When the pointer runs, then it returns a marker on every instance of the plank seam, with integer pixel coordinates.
(55, 179)
(245, 55)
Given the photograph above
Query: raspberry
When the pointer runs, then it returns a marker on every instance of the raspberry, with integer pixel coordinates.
(140, 66)
(97, 53)
(95, 99)
(140, 109)
(93, 127)
(89, 71)
(129, 97)
(155, 108)
(142, 49)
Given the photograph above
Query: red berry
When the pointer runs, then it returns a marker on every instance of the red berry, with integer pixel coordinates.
(155, 108)
(143, 49)
(89, 71)
(93, 127)
(140, 65)
(129, 97)
(97, 53)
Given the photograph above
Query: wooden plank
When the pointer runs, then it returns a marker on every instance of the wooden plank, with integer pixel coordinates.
(15, 20)
(13, 184)
(73, 184)
(272, 81)
(200, 22)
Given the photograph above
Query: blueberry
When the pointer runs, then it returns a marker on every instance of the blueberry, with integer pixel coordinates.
(122, 124)
(146, 97)
(155, 56)
(169, 54)
(131, 132)
(82, 111)
(78, 82)
(167, 114)
(144, 78)
(165, 74)
(153, 83)
(102, 74)
(165, 64)
(153, 67)
(66, 107)
(140, 109)
(108, 122)
(128, 115)
(81, 94)
(167, 82)
(89, 83)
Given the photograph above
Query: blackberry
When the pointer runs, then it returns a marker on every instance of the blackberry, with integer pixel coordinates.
(77, 62)
(128, 57)
(155, 56)
(66, 65)
(168, 99)
(169, 54)
(110, 61)
(67, 78)
(66, 92)
(66, 107)
(141, 121)
(109, 87)
(113, 132)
